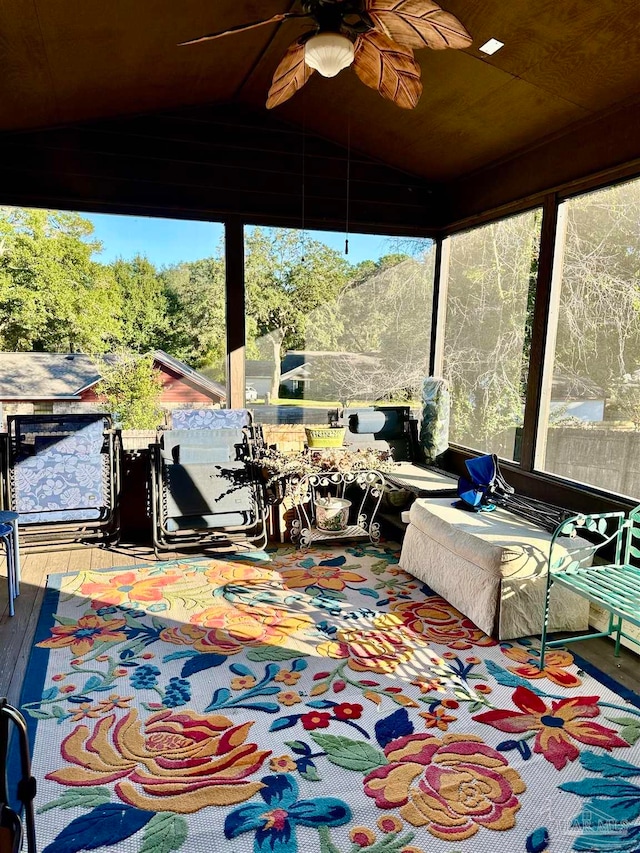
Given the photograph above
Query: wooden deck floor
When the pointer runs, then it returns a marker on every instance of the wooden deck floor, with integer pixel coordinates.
(16, 633)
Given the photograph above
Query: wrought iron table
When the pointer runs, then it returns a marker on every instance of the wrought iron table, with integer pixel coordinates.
(304, 529)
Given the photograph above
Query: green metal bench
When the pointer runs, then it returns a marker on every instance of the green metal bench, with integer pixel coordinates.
(613, 584)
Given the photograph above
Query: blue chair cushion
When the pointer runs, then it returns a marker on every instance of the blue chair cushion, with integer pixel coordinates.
(210, 418)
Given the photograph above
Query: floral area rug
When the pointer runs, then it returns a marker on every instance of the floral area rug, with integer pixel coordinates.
(319, 701)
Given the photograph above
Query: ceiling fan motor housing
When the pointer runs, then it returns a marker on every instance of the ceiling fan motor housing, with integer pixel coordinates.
(347, 16)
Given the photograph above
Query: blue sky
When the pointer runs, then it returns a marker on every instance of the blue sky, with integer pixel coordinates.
(169, 241)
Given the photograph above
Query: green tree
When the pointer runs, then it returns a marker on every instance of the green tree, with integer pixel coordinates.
(131, 389)
(598, 333)
(489, 307)
(288, 275)
(52, 295)
(144, 304)
(382, 320)
(195, 294)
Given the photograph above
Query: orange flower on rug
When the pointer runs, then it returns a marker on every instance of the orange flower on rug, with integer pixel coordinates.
(126, 587)
(435, 620)
(81, 636)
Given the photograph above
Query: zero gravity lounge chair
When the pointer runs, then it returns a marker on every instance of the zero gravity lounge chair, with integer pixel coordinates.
(205, 486)
(62, 475)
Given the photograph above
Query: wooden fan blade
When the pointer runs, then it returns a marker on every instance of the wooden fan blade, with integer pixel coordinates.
(388, 67)
(418, 23)
(291, 75)
(242, 27)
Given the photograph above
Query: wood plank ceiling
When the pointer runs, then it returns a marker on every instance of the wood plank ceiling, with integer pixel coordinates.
(69, 61)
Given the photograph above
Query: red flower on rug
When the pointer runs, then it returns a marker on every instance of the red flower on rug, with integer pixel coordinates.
(348, 711)
(368, 651)
(437, 621)
(556, 663)
(226, 629)
(315, 720)
(453, 786)
(556, 726)
(126, 587)
(172, 763)
(85, 633)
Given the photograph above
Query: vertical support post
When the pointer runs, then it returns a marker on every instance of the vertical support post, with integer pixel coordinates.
(544, 325)
(439, 311)
(548, 356)
(235, 312)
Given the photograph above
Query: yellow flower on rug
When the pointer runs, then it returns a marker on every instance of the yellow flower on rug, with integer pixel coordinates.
(451, 786)
(178, 763)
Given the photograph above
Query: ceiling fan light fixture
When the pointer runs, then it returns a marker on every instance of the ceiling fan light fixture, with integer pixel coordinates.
(329, 53)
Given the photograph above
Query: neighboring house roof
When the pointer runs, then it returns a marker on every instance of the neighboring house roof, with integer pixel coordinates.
(632, 378)
(301, 373)
(293, 358)
(209, 386)
(255, 369)
(64, 376)
(50, 375)
(299, 364)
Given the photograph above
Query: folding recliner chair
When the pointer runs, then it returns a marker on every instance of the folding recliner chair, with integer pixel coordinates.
(11, 828)
(206, 486)
(62, 476)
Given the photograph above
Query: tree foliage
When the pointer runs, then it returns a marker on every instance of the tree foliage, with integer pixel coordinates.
(288, 276)
(196, 302)
(131, 388)
(599, 306)
(144, 312)
(52, 295)
(383, 316)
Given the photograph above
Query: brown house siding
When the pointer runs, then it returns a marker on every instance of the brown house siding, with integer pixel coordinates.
(176, 389)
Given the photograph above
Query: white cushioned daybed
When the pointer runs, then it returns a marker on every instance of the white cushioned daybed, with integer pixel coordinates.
(489, 565)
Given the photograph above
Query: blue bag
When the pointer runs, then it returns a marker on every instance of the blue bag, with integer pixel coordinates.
(485, 486)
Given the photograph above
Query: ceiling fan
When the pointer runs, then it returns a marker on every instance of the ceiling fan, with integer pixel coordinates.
(377, 37)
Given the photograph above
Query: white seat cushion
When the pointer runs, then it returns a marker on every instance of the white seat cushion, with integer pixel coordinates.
(497, 542)
(490, 566)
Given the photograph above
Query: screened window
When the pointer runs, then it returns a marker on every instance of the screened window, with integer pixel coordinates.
(489, 306)
(326, 330)
(590, 425)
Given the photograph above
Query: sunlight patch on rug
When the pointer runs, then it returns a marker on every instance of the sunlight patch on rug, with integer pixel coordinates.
(313, 701)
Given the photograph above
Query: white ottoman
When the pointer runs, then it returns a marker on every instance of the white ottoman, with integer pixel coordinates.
(492, 566)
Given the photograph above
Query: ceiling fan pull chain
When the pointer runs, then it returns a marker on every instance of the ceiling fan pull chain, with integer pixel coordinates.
(304, 169)
(346, 242)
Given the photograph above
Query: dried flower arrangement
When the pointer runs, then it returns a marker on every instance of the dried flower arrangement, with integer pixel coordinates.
(285, 470)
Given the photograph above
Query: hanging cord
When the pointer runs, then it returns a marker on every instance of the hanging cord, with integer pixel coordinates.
(304, 171)
(346, 242)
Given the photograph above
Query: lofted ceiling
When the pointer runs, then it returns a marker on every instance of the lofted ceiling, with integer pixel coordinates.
(564, 63)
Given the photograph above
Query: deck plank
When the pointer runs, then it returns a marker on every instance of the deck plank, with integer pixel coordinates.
(16, 633)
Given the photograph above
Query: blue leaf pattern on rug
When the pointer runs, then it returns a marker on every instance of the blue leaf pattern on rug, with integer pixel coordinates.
(104, 826)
